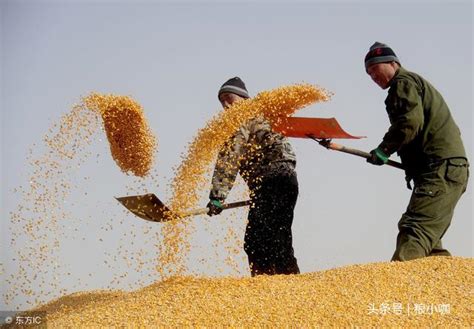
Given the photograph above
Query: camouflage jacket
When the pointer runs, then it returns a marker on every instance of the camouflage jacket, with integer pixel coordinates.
(254, 151)
(422, 129)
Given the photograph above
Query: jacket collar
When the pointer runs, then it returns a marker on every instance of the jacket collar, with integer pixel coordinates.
(400, 69)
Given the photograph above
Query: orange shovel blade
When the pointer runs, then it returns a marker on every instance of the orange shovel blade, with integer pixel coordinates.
(316, 127)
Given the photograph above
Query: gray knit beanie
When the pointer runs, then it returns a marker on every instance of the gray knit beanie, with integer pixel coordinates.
(235, 86)
(380, 53)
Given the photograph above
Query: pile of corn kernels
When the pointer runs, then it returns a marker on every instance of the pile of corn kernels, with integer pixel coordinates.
(428, 292)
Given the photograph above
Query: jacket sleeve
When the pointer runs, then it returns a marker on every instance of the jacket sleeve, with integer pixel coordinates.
(228, 164)
(405, 110)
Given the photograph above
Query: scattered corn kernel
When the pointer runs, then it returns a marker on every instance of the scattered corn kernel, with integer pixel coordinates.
(38, 225)
(191, 176)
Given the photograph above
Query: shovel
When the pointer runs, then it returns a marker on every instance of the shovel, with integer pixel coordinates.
(322, 131)
(149, 207)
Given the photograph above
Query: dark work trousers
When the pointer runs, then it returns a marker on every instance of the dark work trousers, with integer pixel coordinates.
(429, 213)
(268, 240)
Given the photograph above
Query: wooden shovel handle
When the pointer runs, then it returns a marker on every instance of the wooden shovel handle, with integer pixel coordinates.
(202, 211)
(341, 148)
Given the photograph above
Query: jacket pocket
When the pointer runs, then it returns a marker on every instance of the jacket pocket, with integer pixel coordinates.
(456, 170)
(431, 190)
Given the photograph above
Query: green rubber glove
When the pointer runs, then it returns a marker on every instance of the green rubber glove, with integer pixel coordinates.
(377, 157)
(215, 207)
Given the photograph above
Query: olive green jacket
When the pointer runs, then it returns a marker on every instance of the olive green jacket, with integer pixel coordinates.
(422, 129)
(253, 151)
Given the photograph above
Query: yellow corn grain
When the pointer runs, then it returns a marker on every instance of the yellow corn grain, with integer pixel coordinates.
(429, 292)
(132, 143)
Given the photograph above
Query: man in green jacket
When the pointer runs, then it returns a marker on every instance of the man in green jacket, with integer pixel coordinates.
(428, 141)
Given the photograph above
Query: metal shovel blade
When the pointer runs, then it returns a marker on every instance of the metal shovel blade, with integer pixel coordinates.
(147, 206)
(317, 127)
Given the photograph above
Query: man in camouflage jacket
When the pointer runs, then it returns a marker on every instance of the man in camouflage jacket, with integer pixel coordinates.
(429, 144)
(266, 162)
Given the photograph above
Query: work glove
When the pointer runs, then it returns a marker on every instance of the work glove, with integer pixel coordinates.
(215, 207)
(377, 157)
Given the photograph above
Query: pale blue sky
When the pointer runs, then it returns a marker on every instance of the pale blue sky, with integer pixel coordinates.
(172, 58)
